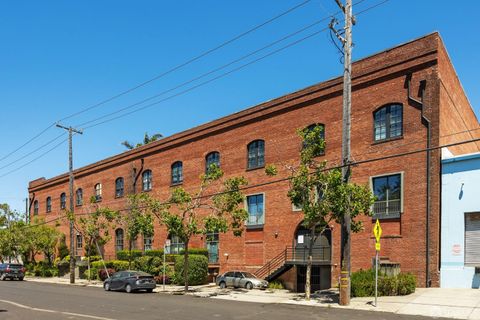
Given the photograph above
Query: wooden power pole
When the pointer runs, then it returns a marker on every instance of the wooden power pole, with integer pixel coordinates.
(345, 36)
(70, 185)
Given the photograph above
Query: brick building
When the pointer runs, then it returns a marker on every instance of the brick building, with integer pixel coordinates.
(398, 97)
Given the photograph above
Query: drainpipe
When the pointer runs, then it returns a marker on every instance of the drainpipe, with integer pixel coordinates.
(135, 175)
(426, 121)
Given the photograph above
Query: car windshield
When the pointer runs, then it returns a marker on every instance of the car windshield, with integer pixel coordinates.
(248, 275)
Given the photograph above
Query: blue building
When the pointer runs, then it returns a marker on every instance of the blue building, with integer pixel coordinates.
(460, 224)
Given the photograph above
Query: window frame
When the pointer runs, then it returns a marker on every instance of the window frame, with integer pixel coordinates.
(178, 245)
(119, 192)
(48, 204)
(98, 191)
(79, 236)
(145, 243)
(207, 164)
(117, 240)
(257, 166)
(257, 225)
(387, 108)
(402, 188)
(36, 207)
(178, 166)
(150, 180)
(63, 201)
(79, 200)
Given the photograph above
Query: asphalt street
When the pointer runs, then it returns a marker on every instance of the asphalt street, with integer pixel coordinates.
(32, 301)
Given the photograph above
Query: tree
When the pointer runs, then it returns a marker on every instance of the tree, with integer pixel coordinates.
(139, 219)
(11, 223)
(146, 140)
(321, 192)
(187, 214)
(94, 227)
(46, 240)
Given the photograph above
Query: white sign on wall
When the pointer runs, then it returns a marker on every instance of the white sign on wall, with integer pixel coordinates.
(300, 238)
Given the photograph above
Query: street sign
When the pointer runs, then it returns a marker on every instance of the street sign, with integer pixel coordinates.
(168, 242)
(377, 246)
(377, 231)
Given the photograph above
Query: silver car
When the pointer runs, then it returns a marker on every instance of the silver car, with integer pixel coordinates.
(240, 279)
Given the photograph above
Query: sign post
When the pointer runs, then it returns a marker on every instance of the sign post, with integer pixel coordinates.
(377, 232)
(167, 244)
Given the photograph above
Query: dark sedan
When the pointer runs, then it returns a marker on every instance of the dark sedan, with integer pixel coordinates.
(12, 271)
(130, 281)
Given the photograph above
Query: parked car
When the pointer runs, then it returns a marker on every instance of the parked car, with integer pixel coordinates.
(240, 279)
(12, 271)
(130, 281)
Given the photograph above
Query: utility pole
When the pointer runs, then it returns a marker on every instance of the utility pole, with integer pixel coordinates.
(345, 37)
(70, 184)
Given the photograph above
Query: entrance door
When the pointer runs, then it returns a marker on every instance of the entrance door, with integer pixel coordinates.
(212, 247)
(302, 244)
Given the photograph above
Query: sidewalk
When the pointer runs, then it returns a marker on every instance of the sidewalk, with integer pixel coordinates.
(432, 302)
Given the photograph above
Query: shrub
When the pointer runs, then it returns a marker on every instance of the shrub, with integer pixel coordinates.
(91, 275)
(102, 274)
(363, 284)
(44, 270)
(113, 264)
(154, 253)
(149, 264)
(95, 258)
(199, 251)
(159, 279)
(197, 269)
(62, 248)
(276, 284)
(63, 267)
(125, 254)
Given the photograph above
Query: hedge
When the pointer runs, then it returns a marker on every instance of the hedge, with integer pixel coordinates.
(118, 265)
(197, 269)
(154, 253)
(363, 284)
(199, 251)
(152, 265)
(125, 254)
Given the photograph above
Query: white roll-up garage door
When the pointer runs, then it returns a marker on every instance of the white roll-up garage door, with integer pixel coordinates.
(472, 239)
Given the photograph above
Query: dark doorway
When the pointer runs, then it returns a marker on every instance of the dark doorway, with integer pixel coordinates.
(321, 278)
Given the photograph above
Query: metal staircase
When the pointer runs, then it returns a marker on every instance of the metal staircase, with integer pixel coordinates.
(291, 256)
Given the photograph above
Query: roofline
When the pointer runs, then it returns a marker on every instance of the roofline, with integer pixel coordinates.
(463, 157)
(254, 111)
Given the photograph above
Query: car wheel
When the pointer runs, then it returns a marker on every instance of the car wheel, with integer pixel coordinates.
(3, 277)
(249, 286)
(128, 288)
(223, 285)
(106, 286)
(149, 290)
(21, 279)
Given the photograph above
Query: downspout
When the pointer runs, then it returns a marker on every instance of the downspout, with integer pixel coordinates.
(426, 121)
(135, 176)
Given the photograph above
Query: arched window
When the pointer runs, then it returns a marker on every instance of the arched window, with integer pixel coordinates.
(79, 194)
(63, 201)
(98, 192)
(147, 180)
(35, 207)
(49, 204)
(388, 122)
(119, 187)
(256, 154)
(177, 172)
(321, 135)
(213, 158)
(118, 239)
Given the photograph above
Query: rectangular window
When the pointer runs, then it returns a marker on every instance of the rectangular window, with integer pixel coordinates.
(255, 208)
(79, 242)
(147, 243)
(388, 194)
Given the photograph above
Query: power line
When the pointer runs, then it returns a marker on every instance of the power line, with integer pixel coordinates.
(163, 74)
(354, 163)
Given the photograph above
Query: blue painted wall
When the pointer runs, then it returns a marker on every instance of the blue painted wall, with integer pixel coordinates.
(460, 194)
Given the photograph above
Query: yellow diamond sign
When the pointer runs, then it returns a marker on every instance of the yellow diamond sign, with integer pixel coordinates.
(377, 231)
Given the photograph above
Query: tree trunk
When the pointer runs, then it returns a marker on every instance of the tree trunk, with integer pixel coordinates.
(185, 266)
(309, 265)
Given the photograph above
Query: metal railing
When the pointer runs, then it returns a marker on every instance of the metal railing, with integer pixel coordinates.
(387, 209)
(294, 256)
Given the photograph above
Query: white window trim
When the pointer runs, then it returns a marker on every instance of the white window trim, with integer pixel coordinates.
(245, 203)
(401, 173)
(296, 209)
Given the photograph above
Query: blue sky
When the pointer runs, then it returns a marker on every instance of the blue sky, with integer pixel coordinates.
(59, 57)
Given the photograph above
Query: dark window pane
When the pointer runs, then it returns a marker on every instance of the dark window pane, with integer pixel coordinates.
(388, 122)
